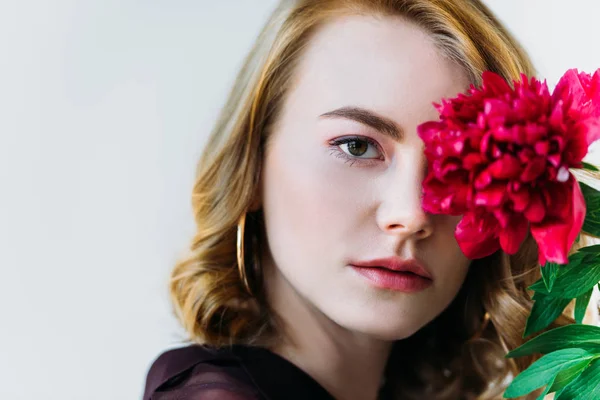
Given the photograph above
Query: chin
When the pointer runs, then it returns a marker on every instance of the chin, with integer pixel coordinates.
(383, 326)
(391, 333)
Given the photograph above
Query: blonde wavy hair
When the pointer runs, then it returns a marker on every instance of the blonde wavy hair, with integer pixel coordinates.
(459, 355)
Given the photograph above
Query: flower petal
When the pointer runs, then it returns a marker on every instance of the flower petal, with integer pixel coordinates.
(542, 147)
(440, 198)
(555, 238)
(557, 199)
(578, 142)
(492, 196)
(507, 167)
(534, 169)
(495, 112)
(483, 180)
(520, 199)
(563, 91)
(503, 217)
(429, 131)
(472, 160)
(476, 236)
(494, 82)
(536, 211)
(582, 89)
(591, 127)
(512, 237)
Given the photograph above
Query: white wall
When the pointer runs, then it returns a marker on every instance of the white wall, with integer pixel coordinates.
(104, 106)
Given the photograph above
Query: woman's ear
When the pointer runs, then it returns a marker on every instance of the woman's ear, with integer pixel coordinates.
(256, 203)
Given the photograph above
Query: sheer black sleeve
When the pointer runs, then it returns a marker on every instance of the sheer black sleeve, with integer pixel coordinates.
(196, 373)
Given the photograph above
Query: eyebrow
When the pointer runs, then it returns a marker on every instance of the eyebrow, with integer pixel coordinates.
(369, 118)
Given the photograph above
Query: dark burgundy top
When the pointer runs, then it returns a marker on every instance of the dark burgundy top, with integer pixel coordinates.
(233, 373)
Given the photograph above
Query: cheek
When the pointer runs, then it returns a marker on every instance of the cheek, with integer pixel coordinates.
(455, 263)
(445, 226)
(452, 245)
(309, 201)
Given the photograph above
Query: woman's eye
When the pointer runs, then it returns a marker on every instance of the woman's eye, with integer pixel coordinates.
(358, 147)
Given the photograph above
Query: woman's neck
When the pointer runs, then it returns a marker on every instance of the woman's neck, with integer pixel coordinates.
(347, 364)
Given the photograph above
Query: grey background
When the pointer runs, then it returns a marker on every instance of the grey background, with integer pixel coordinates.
(104, 108)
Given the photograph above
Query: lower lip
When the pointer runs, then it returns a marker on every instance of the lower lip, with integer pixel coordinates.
(394, 280)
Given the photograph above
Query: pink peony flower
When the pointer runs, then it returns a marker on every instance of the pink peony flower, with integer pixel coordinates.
(500, 157)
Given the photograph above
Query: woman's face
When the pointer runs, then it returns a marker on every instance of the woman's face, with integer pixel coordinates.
(341, 184)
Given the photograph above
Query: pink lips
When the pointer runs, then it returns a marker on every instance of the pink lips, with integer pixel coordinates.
(394, 273)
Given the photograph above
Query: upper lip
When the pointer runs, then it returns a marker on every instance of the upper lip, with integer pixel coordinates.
(396, 264)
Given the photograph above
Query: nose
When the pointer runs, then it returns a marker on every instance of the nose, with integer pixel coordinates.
(400, 210)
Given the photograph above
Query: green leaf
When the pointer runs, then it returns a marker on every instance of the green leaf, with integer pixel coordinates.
(591, 224)
(591, 249)
(585, 387)
(546, 390)
(543, 371)
(581, 305)
(585, 337)
(589, 167)
(574, 261)
(549, 273)
(580, 275)
(545, 310)
(578, 280)
(557, 394)
(568, 375)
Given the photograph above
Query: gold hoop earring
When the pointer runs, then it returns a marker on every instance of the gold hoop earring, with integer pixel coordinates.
(484, 324)
(241, 228)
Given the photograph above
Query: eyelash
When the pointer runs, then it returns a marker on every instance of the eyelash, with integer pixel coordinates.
(338, 152)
